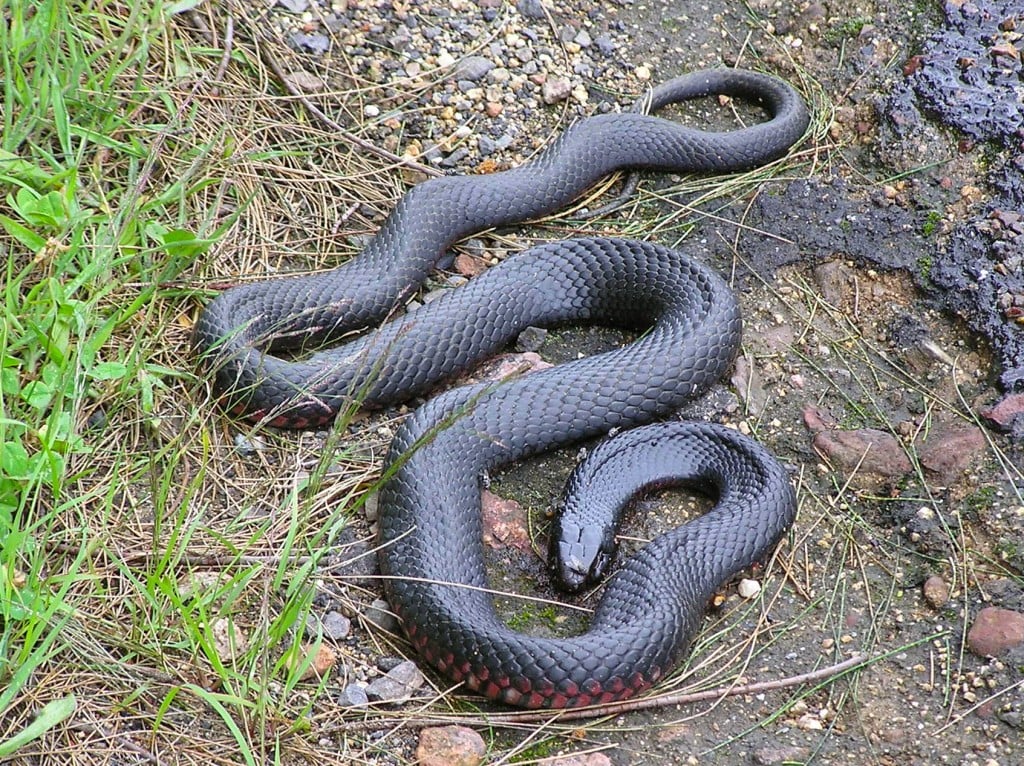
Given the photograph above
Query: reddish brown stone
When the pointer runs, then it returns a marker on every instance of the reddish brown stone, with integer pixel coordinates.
(1004, 413)
(947, 452)
(469, 265)
(865, 455)
(816, 419)
(505, 522)
(995, 631)
(450, 746)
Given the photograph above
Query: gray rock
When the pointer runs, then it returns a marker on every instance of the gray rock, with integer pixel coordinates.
(605, 44)
(531, 9)
(504, 142)
(472, 68)
(353, 695)
(455, 157)
(388, 663)
(333, 625)
(336, 625)
(314, 43)
(371, 507)
(398, 684)
(531, 339)
(379, 614)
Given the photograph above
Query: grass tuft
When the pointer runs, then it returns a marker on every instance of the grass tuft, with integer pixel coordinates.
(156, 580)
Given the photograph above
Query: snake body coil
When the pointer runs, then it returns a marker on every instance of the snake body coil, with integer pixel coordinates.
(429, 523)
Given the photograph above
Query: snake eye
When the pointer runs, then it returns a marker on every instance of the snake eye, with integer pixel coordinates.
(600, 567)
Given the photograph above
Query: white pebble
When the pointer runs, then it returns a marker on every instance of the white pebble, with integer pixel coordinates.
(749, 588)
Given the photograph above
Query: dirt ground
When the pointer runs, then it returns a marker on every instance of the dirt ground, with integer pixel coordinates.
(856, 371)
(840, 318)
(847, 337)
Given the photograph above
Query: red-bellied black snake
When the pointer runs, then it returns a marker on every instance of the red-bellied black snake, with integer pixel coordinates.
(429, 522)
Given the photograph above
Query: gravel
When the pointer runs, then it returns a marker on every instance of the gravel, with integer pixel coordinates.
(479, 86)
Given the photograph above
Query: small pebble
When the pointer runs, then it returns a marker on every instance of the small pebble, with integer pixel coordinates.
(353, 695)
(748, 588)
(247, 446)
(336, 625)
(936, 592)
(555, 89)
(379, 614)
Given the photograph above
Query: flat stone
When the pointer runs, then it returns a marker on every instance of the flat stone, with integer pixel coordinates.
(353, 695)
(747, 382)
(469, 265)
(770, 755)
(472, 68)
(995, 632)
(947, 452)
(1006, 414)
(865, 455)
(306, 81)
(314, 43)
(505, 522)
(579, 759)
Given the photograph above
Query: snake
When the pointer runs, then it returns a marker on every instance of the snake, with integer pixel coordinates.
(286, 352)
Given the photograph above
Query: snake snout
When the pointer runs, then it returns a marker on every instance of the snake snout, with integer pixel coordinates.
(581, 555)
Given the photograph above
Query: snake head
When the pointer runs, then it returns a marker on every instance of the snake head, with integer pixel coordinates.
(581, 554)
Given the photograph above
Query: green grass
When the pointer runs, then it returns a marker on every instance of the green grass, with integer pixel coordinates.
(104, 494)
(154, 582)
(72, 248)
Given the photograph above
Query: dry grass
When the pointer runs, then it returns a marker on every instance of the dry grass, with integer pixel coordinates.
(151, 570)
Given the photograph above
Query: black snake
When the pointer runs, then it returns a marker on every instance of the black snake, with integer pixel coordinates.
(430, 527)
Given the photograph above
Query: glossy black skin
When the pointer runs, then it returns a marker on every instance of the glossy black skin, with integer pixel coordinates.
(430, 532)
